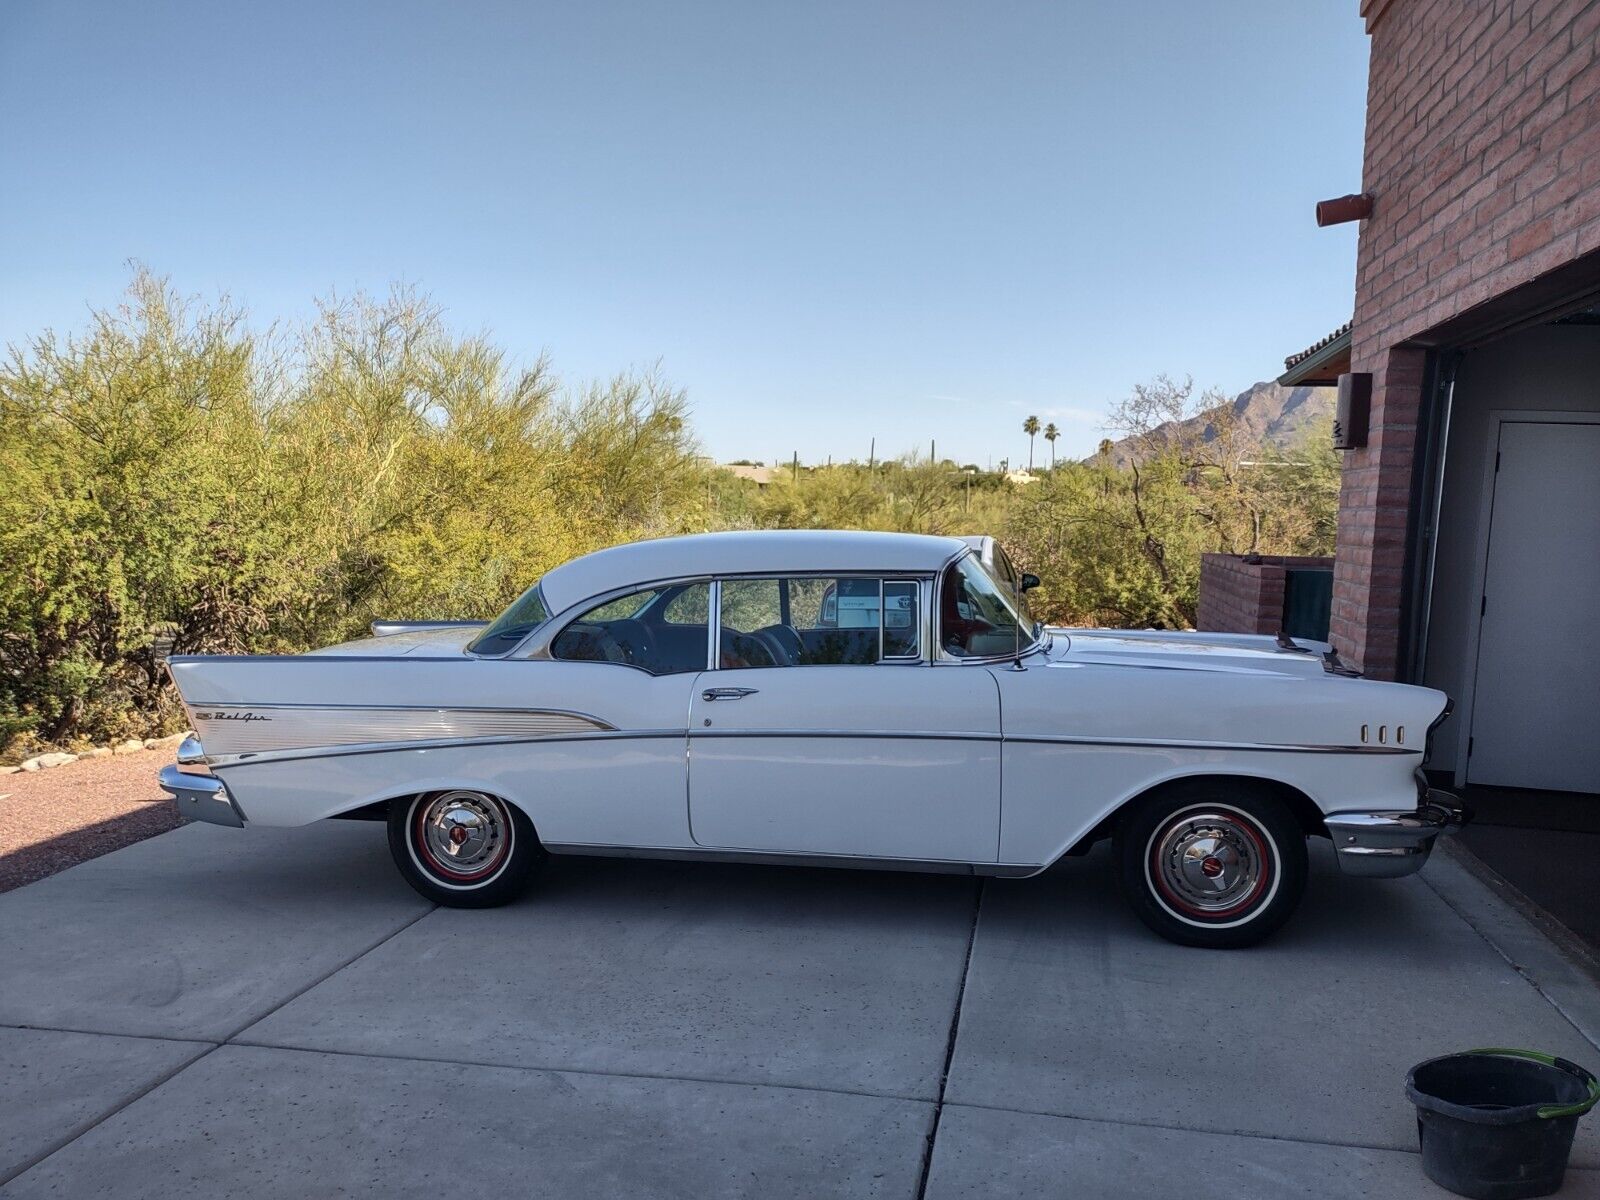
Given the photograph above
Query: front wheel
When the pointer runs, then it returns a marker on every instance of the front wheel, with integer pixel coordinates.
(1212, 864)
(464, 849)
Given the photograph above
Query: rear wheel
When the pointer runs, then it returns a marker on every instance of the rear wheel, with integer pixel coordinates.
(1212, 864)
(464, 849)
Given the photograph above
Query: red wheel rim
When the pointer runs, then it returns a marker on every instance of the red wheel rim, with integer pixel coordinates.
(461, 837)
(1211, 864)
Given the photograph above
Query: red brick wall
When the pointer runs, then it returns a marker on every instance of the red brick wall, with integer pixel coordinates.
(1240, 596)
(1374, 503)
(1483, 158)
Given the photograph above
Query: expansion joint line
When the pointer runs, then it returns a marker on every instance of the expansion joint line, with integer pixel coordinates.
(166, 1077)
(950, 1042)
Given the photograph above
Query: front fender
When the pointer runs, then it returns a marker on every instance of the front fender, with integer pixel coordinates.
(1057, 794)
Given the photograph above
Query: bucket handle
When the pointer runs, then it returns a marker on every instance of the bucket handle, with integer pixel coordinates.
(1551, 1111)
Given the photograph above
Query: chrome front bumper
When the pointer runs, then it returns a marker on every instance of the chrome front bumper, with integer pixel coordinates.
(201, 797)
(1383, 845)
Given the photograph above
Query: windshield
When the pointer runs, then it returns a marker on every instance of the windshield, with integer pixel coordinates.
(979, 615)
(525, 615)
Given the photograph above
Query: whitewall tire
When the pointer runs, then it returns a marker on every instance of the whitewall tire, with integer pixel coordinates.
(1212, 863)
(464, 849)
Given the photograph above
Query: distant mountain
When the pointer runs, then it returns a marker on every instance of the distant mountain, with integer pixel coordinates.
(1274, 416)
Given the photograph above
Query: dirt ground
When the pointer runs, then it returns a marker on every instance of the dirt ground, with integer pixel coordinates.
(54, 819)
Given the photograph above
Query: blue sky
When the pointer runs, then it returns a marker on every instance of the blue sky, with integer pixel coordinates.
(827, 221)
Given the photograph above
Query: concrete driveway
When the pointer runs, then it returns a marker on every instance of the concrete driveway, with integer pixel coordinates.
(215, 1012)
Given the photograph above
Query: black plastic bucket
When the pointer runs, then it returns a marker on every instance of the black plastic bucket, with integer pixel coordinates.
(1497, 1124)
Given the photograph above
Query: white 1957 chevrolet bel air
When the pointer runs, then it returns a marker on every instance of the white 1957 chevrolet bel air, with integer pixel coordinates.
(824, 697)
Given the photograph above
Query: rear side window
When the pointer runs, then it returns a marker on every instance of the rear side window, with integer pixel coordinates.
(526, 614)
(664, 630)
(692, 606)
(809, 621)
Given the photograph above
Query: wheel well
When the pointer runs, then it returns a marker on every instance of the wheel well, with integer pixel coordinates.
(1300, 805)
(378, 810)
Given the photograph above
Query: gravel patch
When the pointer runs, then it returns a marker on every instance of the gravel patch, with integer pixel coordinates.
(54, 819)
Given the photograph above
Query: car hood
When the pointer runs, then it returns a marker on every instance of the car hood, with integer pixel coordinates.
(418, 643)
(1232, 652)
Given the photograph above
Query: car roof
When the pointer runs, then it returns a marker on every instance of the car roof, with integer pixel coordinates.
(745, 552)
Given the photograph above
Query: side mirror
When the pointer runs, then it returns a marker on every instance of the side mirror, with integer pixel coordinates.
(1029, 581)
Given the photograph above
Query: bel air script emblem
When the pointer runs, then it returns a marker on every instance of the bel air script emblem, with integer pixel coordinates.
(230, 716)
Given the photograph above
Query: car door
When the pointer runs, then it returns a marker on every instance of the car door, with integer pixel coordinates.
(826, 730)
(628, 662)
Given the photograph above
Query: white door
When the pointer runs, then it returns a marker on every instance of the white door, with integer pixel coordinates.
(826, 731)
(882, 761)
(1536, 706)
(629, 662)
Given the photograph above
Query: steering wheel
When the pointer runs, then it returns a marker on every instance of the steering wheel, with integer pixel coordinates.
(633, 638)
(785, 640)
(748, 650)
(610, 648)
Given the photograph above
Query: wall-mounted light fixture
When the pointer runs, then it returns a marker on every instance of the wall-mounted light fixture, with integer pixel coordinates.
(1353, 411)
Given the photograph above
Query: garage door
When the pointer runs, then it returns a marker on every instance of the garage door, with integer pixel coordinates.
(1536, 708)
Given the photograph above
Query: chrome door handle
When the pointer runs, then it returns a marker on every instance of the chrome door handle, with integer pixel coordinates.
(727, 693)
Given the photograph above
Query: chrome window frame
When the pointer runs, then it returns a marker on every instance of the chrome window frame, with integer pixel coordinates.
(714, 616)
(883, 616)
(1030, 645)
(924, 584)
(536, 646)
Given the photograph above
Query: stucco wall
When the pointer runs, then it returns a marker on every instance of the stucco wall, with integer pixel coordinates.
(1555, 368)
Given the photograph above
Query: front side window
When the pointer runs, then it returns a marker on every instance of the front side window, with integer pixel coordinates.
(527, 613)
(979, 616)
(663, 630)
(1004, 570)
(819, 621)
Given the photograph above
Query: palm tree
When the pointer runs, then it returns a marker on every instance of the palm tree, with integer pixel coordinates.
(1031, 428)
(1051, 433)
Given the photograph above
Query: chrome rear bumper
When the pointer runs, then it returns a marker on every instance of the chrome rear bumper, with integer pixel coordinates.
(201, 797)
(1386, 844)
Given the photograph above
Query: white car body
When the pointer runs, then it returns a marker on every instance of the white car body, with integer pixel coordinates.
(997, 763)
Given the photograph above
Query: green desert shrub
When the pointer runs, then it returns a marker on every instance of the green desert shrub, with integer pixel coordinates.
(175, 479)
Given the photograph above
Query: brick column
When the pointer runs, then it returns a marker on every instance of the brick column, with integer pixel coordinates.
(1374, 505)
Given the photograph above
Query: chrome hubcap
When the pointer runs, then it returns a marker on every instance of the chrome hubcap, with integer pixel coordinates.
(463, 832)
(1209, 861)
